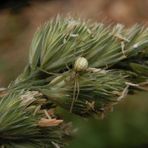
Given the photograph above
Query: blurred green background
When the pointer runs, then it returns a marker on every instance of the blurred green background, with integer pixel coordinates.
(127, 125)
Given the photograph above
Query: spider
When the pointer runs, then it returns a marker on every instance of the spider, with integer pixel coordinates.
(81, 64)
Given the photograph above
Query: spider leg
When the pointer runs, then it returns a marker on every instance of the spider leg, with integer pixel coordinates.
(67, 66)
(74, 95)
(50, 73)
(78, 88)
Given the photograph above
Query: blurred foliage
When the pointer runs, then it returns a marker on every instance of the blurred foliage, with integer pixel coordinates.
(20, 19)
(127, 125)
